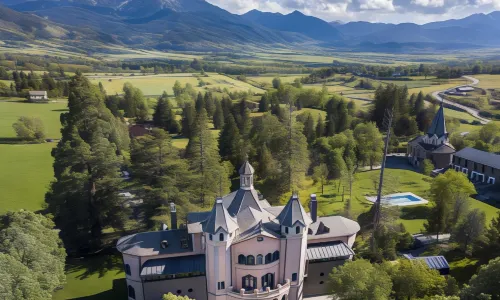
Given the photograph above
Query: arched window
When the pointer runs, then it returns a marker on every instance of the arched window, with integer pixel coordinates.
(268, 280)
(269, 258)
(249, 282)
(260, 259)
(297, 229)
(131, 292)
(221, 237)
(127, 270)
(242, 260)
(250, 260)
(276, 255)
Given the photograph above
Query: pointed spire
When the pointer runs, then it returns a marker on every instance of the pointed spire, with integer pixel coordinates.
(246, 168)
(438, 126)
(293, 212)
(219, 219)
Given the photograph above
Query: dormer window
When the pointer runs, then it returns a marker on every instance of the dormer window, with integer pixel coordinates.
(297, 229)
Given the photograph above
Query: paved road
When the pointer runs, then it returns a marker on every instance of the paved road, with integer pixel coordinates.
(472, 111)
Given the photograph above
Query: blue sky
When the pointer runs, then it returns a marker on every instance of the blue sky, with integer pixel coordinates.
(387, 11)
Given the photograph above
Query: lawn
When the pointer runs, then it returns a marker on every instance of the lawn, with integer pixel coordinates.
(49, 113)
(269, 79)
(396, 180)
(95, 278)
(25, 174)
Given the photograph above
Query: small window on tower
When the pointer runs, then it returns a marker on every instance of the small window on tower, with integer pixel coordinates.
(294, 277)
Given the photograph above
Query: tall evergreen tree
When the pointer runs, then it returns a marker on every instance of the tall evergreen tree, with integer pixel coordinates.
(320, 127)
(264, 103)
(200, 103)
(84, 196)
(230, 142)
(188, 116)
(309, 130)
(164, 115)
(204, 160)
(209, 103)
(218, 117)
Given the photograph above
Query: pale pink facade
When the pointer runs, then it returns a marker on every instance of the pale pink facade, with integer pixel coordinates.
(242, 249)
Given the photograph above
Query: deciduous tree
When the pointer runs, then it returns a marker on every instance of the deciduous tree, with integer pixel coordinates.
(29, 129)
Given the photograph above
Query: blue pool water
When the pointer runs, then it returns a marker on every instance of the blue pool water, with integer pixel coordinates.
(398, 199)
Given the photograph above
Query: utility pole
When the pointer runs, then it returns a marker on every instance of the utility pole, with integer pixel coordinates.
(377, 204)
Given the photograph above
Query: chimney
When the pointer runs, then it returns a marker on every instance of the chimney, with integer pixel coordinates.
(314, 208)
(173, 216)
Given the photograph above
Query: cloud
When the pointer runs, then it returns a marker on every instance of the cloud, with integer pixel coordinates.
(387, 11)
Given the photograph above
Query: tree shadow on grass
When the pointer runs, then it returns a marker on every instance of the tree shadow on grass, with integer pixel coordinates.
(119, 291)
(62, 109)
(100, 264)
(10, 140)
(415, 212)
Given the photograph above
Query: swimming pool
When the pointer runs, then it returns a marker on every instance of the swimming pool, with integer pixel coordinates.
(400, 199)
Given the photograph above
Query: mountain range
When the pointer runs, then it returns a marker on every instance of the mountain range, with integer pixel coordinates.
(199, 25)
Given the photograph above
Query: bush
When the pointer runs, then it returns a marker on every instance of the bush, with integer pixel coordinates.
(29, 129)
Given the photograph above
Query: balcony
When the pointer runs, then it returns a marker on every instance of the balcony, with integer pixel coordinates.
(280, 291)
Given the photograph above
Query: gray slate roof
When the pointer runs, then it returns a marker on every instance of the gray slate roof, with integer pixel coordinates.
(482, 157)
(338, 226)
(241, 199)
(37, 93)
(174, 265)
(149, 243)
(328, 250)
(247, 169)
(438, 126)
(269, 229)
(434, 262)
(293, 213)
(444, 149)
(219, 218)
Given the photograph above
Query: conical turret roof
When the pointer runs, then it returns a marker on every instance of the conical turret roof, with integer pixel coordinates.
(219, 218)
(292, 213)
(246, 169)
(438, 126)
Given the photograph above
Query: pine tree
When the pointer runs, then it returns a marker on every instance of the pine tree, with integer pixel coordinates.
(164, 114)
(230, 143)
(209, 103)
(200, 103)
(309, 131)
(84, 196)
(188, 116)
(264, 103)
(218, 118)
(204, 160)
(419, 105)
(320, 127)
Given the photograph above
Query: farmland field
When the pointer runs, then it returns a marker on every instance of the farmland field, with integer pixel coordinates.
(269, 79)
(488, 81)
(156, 84)
(49, 113)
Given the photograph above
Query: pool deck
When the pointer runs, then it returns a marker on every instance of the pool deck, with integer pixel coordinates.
(385, 199)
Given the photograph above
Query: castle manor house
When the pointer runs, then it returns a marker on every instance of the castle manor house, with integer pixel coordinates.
(243, 248)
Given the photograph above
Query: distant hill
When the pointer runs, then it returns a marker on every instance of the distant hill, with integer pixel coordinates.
(200, 26)
(477, 30)
(25, 27)
(296, 22)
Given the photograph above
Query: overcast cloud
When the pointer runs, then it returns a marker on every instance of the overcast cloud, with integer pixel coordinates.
(387, 11)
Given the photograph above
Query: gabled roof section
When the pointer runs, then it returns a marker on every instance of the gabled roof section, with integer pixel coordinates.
(438, 126)
(241, 200)
(219, 219)
(293, 213)
(247, 169)
(259, 229)
(482, 157)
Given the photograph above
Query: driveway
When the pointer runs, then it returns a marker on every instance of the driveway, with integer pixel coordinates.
(472, 111)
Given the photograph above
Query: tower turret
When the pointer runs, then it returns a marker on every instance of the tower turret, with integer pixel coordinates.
(219, 231)
(246, 176)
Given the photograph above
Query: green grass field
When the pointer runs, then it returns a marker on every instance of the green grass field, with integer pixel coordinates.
(97, 278)
(25, 175)
(49, 113)
(398, 180)
(487, 81)
(157, 84)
